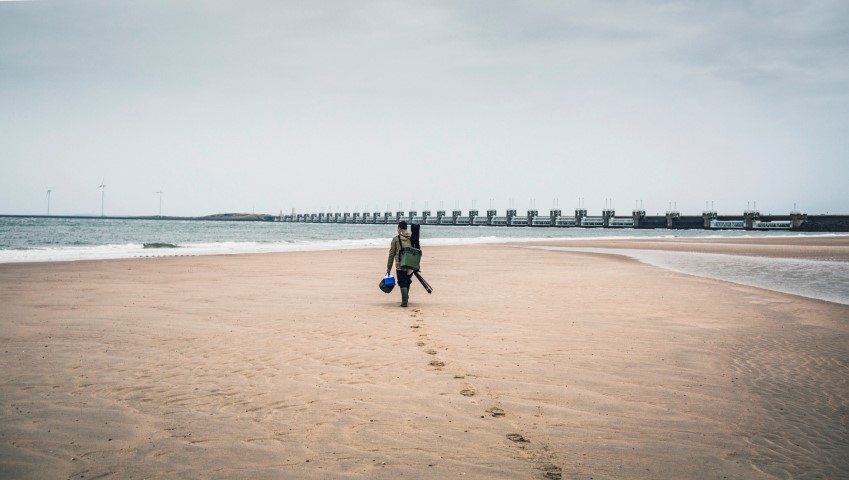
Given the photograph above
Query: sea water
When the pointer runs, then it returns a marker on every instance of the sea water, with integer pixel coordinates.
(39, 239)
(62, 239)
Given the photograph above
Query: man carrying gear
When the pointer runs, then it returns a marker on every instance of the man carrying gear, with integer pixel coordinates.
(404, 274)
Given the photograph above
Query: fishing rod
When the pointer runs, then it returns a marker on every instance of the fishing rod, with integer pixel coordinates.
(423, 282)
(414, 239)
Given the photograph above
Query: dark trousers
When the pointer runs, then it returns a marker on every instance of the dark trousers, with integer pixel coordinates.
(404, 278)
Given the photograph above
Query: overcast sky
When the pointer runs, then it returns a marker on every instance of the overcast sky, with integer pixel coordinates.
(335, 105)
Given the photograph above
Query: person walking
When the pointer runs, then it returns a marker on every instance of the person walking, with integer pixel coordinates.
(404, 274)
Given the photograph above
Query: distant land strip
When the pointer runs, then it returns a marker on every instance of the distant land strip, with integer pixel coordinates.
(231, 217)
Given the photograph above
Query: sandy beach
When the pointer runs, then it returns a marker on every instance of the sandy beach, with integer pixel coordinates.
(522, 364)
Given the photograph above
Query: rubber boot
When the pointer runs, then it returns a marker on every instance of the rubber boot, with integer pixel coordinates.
(405, 295)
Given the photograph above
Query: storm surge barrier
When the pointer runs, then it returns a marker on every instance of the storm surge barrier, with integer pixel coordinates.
(708, 220)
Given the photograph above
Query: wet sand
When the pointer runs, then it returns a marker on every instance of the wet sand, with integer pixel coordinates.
(834, 248)
(522, 364)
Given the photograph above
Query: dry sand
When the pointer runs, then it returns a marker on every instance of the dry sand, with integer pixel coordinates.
(522, 364)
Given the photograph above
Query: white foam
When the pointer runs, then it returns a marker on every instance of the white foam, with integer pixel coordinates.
(111, 252)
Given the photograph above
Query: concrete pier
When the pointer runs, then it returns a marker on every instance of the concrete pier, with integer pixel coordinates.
(606, 215)
(707, 217)
(749, 218)
(554, 215)
(638, 218)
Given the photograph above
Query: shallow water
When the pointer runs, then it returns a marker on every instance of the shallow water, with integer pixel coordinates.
(821, 279)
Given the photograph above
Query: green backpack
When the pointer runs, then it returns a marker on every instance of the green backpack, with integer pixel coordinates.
(410, 257)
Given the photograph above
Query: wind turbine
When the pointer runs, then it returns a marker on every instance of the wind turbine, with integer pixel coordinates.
(48, 200)
(102, 188)
(160, 192)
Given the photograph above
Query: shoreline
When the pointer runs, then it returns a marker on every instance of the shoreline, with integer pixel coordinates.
(727, 244)
(803, 281)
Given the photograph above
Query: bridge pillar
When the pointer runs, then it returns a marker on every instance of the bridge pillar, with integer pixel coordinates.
(531, 215)
(510, 214)
(672, 218)
(425, 214)
(708, 216)
(606, 215)
(387, 217)
(797, 219)
(399, 216)
(638, 216)
(472, 215)
(455, 214)
(580, 213)
(554, 215)
(489, 216)
(749, 218)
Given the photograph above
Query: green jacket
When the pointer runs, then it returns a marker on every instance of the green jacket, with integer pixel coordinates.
(395, 251)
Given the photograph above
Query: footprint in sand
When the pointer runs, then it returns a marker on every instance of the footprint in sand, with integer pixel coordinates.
(467, 392)
(431, 352)
(515, 437)
(436, 363)
(552, 471)
(496, 412)
(420, 344)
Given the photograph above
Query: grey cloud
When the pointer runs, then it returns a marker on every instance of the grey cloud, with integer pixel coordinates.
(491, 99)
